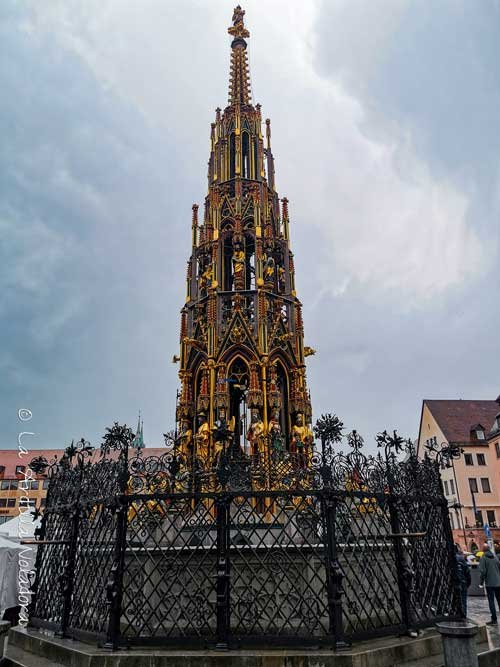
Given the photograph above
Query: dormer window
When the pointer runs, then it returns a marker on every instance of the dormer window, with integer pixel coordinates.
(477, 432)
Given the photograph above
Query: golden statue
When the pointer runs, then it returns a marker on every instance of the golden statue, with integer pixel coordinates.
(276, 437)
(238, 264)
(255, 435)
(202, 438)
(281, 278)
(186, 442)
(206, 277)
(302, 440)
(223, 433)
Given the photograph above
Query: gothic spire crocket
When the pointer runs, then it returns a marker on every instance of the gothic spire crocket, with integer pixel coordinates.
(242, 337)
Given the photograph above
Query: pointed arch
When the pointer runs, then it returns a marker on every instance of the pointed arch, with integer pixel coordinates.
(232, 155)
(245, 155)
(249, 261)
(238, 350)
(227, 263)
(284, 386)
(238, 375)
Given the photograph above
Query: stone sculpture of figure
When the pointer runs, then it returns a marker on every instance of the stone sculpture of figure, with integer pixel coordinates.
(206, 277)
(238, 267)
(255, 435)
(281, 278)
(202, 438)
(223, 433)
(302, 439)
(276, 437)
(238, 14)
(186, 441)
(269, 269)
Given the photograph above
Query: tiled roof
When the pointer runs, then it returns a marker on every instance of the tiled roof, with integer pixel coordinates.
(9, 458)
(456, 417)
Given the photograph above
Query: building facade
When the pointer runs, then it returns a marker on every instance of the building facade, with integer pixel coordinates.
(472, 482)
(242, 339)
(21, 488)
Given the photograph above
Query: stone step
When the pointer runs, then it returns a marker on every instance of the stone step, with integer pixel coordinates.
(17, 657)
(30, 648)
(436, 660)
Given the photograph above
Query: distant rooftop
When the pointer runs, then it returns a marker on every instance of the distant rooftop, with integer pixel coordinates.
(456, 418)
(10, 459)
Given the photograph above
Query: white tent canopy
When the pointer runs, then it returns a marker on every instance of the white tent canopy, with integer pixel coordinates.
(21, 527)
(9, 573)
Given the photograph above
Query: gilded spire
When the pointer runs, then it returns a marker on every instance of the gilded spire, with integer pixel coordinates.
(239, 78)
(242, 339)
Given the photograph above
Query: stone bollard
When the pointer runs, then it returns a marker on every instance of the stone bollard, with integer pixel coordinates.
(459, 643)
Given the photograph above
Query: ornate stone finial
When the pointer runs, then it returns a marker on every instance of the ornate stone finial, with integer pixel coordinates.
(195, 208)
(238, 30)
(239, 79)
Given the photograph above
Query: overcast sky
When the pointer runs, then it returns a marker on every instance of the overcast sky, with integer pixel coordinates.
(386, 133)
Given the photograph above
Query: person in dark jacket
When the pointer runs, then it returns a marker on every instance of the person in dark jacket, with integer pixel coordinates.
(489, 572)
(464, 576)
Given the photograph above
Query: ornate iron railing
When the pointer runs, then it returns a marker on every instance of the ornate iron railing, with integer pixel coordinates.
(287, 549)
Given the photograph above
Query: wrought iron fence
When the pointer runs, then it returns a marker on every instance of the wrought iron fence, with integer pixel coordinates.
(315, 548)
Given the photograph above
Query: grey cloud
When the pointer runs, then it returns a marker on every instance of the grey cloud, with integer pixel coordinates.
(108, 115)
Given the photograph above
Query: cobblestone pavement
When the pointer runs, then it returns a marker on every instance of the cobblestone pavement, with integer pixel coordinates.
(479, 612)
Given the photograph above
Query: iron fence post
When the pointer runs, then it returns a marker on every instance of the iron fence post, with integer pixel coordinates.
(334, 573)
(114, 586)
(223, 505)
(452, 561)
(39, 535)
(404, 573)
(69, 573)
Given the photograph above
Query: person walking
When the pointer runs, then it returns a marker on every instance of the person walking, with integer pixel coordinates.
(464, 576)
(489, 573)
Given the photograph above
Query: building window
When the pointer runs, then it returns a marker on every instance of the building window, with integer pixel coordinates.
(478, 518)
(480, 434)
(452, 487)
(34, 484)
(485, 485)
(20, 470)
(497, 449)
(45, 483)
(468, 460)
(7, 484)
(481, 460)
(11, 502)
(43, 502)
(490, 514)
(3, 502)
(473, 485)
